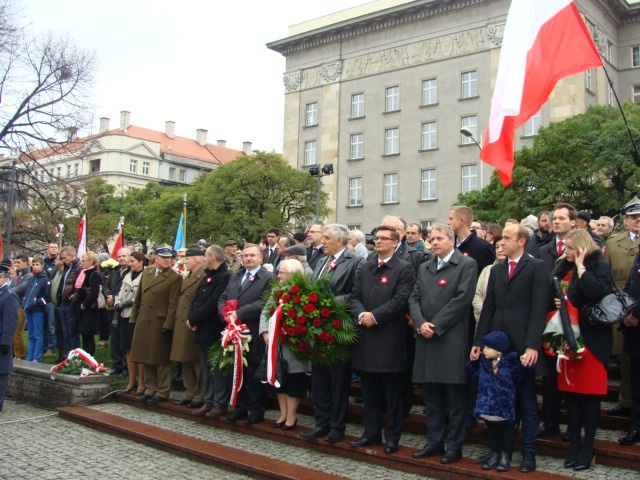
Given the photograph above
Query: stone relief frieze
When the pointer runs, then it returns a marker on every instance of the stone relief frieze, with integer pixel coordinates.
(600, 39)
(311, 77)
(331, 72)
(292, 81)
(495, 33)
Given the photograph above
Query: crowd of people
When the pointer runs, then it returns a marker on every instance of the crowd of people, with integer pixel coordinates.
(458, 309)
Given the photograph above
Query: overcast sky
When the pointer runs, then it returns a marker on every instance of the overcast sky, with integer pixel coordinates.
(200, 63)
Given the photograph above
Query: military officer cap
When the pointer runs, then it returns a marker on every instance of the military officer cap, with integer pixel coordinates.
(632, 207)
(194, 252)
(5, 266)
(164, 250)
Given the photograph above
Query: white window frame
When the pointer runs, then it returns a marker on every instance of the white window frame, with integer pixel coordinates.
(133, 165)
(182, 175)
(430, 91)
(172, 173)
(355, 191)
(635, 94)
(146, 167)
(59, 171)
(469, 177)
(357, 105)
(311, 114)
(469, 84)
(532, 126)
(588, 80)
(429, 135)
(310, 152)
(424, 224)
(470, 122)
(76, 169)
(392, 99)
(356, 146)
(392, 141)
(635, 57)
(429, 184)
(390, 188)
(68, 170)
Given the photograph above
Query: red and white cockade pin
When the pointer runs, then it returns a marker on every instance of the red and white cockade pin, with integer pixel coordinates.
(384, 280)
(209, 279)
(332, 265)
(466, 254)
(442, 282)
(251, 278)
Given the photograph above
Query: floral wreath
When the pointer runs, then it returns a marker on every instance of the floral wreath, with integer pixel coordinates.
(314, 326)
(78, 362)
(554, 341)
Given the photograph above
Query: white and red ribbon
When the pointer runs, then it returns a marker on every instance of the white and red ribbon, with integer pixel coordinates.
(236, 333)
(272, 347)
(78, 352)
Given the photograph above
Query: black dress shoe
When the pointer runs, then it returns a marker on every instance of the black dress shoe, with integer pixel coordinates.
(619, 411)
(505, 462)
(547, 430)
(253, 419)
(316, 432)
(277, 424)
(334, 435)
(236, 415)
(155, 400)
(630, 438)
(391, 447)
(492, 461)
(584, 461)
(482, 458)
(182, 403)
(143, 398)
(451, 456)
(286, 427)
(364, 442)
(428, 451)
(570, 462)
(195, 404)
(528, 462)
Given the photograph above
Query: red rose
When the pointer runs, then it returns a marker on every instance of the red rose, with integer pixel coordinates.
(337, 324)
(291, 313)
(329, 339)
(317, 322)
(309, 307)
(300, 346)
(286, 298)
(325, 312)
(295, 289)
(296, 299)
(301, 320)
(313, 298)
(279, 294)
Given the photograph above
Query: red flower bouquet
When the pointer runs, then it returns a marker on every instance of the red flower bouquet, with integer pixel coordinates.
(314, 326)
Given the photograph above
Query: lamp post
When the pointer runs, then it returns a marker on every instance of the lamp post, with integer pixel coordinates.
(316, 171)
(14, 160)
(469, 134)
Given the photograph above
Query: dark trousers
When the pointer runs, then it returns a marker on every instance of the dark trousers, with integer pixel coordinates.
(252, 397)
(632, 347)
(69, 323)
(89, 343)
(330, 395)
(103, 324)
(378, 390)
(407, 375)
(440, 398)
(60, 340)
(550, 394)
(526, 391)
(500, 435)
(583, 411)
(118, 357)
(4, 384)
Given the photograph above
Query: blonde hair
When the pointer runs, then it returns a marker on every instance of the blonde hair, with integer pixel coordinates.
(583, 240)
(90, 256)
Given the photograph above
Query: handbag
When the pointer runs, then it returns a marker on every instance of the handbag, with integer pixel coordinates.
(281, 368)
(613, 308)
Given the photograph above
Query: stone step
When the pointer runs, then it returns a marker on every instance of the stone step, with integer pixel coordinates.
(233, 459)
(402, 461)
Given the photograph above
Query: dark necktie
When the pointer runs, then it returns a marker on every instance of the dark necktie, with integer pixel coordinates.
(327, 265)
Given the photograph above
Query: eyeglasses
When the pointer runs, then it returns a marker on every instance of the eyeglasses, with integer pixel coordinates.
(382, 239)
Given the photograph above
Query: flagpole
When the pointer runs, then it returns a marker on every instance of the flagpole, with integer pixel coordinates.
(626, 123)
(184, 213)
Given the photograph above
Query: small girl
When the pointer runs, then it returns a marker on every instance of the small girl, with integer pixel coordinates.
(498, 371)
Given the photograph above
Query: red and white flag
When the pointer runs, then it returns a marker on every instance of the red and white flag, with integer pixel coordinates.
(544, 41)
(82, 236)
(119, 241)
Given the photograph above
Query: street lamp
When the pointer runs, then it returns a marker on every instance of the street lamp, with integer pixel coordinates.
(317, 171)
(469, 134)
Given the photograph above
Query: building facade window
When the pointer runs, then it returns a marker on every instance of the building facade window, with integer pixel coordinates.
(429, 92)
(76, 169)
(310, 153)
(424, 224)
(429, 184)
(68, 170)
(429, 136)
(469, 84)
(133, 165)
(532, 125)
(311, 116)
(391, 188)
(355, 192)
(635, 57)
(355, 226)
(59, 172)
(636, 94)
(610, 96)
(357, 146)
(357, 105)
(172, 173)
(469, 178)
(470, 123)
(145, 168)
(183, 175)
(588, 80)
(392, 95)
(392, 141)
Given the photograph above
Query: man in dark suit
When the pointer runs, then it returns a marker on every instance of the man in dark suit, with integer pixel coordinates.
(330, 385)
(516, 303)
(439, 306)
(315, 253)
(467, 241)
(379, 301)
(247, 288)
(8, 323)
(564, 219)
(270, 254)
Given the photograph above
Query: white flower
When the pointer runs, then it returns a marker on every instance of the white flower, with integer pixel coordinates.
(268, 266)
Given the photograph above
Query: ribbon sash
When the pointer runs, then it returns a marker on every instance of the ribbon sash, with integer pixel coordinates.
(272, 347)
(235, 333)
(78, 352)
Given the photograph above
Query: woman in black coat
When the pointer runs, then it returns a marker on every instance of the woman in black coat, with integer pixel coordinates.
(87, 291)
(584, 380)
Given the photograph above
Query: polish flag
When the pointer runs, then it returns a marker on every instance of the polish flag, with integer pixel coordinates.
(544, 41)
(82, 236)
(120, 240)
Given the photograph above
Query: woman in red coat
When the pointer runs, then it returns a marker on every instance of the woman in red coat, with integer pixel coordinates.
(584, 380)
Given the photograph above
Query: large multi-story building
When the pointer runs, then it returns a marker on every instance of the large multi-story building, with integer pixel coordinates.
(382, 91)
